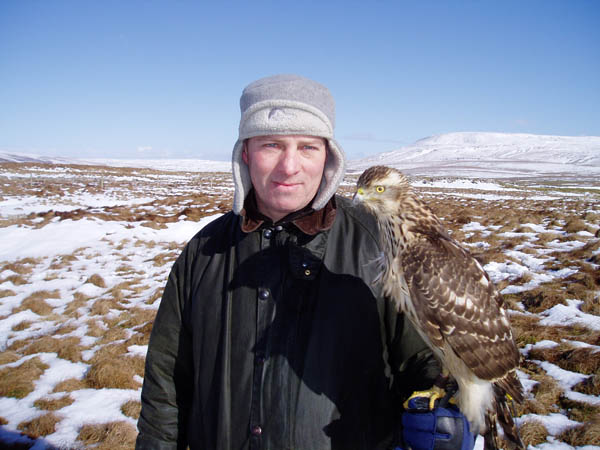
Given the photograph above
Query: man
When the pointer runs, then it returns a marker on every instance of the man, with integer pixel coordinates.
(271, 332)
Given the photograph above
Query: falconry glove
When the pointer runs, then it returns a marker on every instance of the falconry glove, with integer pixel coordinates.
(435, 427)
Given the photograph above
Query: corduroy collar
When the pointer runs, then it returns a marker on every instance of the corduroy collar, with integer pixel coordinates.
(307, 220)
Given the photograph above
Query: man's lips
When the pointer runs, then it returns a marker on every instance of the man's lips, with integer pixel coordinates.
(285, 184)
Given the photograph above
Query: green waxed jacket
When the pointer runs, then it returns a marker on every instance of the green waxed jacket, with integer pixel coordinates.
(278, 339)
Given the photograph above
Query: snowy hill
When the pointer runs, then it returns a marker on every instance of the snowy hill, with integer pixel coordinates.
(465, 154)
(493, 154)
(32, 158)
(187, 165)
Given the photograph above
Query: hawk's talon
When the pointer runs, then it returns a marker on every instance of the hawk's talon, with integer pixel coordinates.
(433, 395)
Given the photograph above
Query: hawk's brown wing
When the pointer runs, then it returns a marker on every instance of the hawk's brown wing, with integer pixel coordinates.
(456, 302)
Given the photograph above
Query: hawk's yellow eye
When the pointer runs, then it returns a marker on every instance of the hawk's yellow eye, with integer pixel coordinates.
(380, 189)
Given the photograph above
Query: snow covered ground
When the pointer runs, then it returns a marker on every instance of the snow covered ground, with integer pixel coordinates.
(85, 255)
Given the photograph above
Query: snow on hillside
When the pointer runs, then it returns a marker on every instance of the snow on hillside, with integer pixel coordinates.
(179, 165)
(33, 158)
(465, 154)
(493, 154)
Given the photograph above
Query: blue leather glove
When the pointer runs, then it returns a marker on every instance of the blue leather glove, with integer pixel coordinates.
(440, 428)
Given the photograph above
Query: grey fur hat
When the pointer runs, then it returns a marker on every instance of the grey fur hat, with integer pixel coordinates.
(288, 105)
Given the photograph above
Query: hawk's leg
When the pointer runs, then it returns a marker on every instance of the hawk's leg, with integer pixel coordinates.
(450, 388)
(440, 394)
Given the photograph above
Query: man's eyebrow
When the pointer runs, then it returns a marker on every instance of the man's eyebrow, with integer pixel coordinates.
(312, 140)
(265, 138)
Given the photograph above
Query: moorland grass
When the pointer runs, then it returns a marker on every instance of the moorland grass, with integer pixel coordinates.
(40, 426)
(116, 323)
(108, 436)
(53, 404)
(18, 381)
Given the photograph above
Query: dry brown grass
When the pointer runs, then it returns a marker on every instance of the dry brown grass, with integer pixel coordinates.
(155, 296)
(17, 280)
(136, 316)
(135, 286)
(132, 409)
(21, 325)
(582, 360)
(542, 298)
(114, 334)
(18, 381)
(79, 301)
(66, 329)
(575, 225)
(70, 385)
(523, 279)
(109, 351)
(23, 266)
(544, 238)
(53, 404)
(118, 323)
(8, 357)
(115, 372)
(165, 258)
(533, 432)
(586, 434)
(590, 386)
(36, 302)
(108, 436)
(141, 338)
(40, 426)
(116, 293)
(528, 331)
(96, 280)
(18, 344)
(61, 262)
(547, 392)
(37, 305)
(94, 328)
(7, 293)
(103, 306)
(66, 348)
(578, 411)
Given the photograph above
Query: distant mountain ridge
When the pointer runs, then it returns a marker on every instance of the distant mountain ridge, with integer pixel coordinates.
(464, 153)
(31, 158)
(461, 154)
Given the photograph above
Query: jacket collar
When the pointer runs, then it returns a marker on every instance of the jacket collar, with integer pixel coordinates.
(307, 219)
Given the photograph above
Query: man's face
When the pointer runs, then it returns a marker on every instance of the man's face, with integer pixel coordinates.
(286, 171)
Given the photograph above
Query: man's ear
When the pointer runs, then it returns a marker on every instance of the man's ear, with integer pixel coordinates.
(245, 152)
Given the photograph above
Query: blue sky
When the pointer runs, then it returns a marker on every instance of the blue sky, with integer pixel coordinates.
(133, 79)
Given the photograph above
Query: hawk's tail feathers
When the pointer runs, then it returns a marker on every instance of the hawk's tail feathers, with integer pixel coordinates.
(489, 437)
(505, 390)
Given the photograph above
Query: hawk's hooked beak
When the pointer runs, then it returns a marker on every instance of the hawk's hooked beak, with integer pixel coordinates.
(358, 196)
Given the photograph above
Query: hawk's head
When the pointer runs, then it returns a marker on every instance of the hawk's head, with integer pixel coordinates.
(381, 189)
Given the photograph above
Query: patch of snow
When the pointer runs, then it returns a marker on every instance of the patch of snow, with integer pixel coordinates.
(569, 315)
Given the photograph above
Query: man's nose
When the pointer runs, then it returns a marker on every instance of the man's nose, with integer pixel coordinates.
(289, 162)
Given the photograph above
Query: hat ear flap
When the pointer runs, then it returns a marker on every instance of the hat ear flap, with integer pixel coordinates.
(241, 176)
(333, 174)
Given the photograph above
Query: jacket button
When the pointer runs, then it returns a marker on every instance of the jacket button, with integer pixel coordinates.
(263, 293)
(256, 430)
(267, 233)
(278, 228)
(307, 272)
